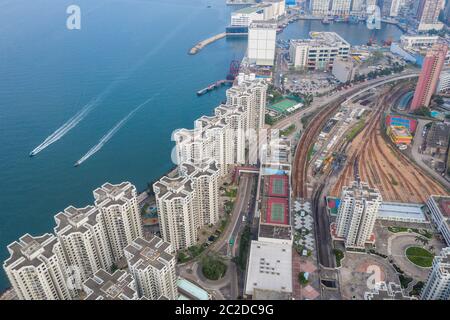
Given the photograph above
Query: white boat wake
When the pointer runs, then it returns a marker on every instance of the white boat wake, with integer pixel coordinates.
(68, 125)
(110, 134)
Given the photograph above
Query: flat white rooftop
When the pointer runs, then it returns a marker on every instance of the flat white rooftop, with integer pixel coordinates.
(398, 211)
(269, 267)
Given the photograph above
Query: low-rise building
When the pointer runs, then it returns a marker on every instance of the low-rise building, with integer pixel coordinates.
(402, 212)
(269, 268)
(399, 135)
(343, 69)
(387, 291)
(437, 140)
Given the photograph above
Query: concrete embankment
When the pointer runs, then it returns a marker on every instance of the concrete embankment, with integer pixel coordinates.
(199, 46)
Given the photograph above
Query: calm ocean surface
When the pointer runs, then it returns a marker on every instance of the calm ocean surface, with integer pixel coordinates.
(126, 52)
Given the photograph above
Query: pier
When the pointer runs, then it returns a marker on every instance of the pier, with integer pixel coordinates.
(199, 46)
(214, 86)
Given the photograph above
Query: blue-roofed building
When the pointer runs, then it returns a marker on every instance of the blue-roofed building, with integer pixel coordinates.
(190, 291)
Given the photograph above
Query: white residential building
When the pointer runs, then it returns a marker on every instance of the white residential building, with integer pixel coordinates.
(444, 82)
(437, 286)
(153, 268)
(121, 214)
(318, 52)
(340, 7)
(261, 43)
(357, 214)
(358, 6)
(178, 213)
(320, 7)
(205, 178)
(36, 268)
(428, 15)
(236, 118)
(439, 207)
(83, 237)
(251, 97)
(106, 286)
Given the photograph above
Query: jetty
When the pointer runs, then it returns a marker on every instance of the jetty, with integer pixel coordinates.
(214, 86)
(199, 46)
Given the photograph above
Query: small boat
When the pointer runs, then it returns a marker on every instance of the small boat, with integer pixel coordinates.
(77, 164)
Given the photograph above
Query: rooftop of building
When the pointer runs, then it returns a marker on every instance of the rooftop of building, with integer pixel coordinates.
(361, 190)
(106, 286)
(114, 194)
(383, 291)
(269, 267)
(171, 188)
(402, 211)
(443, 203)
(400, 131)
(322, 38)
(153, 252)
(248, 10)
(73, 220)
(438, 135)
(263, 25)
(281, 232)
(191, 291)
(30, 251)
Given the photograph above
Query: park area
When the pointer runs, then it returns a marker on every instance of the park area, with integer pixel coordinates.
(419, 256)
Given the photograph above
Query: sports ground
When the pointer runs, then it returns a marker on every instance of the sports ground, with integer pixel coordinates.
(277, 211)
(278, 186)
(283, 105)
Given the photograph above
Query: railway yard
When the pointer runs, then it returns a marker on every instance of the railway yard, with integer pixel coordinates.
(371, 156)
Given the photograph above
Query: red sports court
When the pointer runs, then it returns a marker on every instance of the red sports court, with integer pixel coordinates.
(278, 186)
(277, 211)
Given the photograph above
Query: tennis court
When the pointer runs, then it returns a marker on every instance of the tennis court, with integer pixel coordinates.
(278, 186)
(277, 211)
(283, 105)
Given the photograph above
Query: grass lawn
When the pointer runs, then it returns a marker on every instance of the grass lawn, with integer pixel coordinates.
(339, 256)
(419, 256)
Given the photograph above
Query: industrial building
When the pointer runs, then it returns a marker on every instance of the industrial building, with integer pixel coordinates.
(318, 52)
(261, 43)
